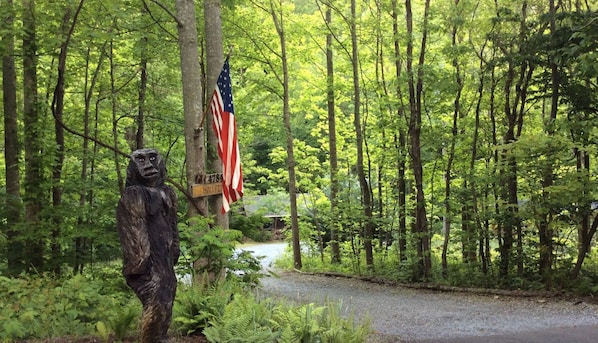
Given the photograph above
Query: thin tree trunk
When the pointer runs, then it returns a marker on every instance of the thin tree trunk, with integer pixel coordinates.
(278, 18)
(586, 232)
(88, 242)
(508, 194)
(544, 227)
(80, 239)
(400, 141)
(139, 140)
(113, 110)
(421, 211)
(34, 192)
(514, 107)
(384, 237)
(514, 111)
(422, 237)
(13, 205)
(473, 209)
(85, 195)
(365, 187)
(495, 160)
(334, 184)
(451, 152)
(526, 70)
(68, 27)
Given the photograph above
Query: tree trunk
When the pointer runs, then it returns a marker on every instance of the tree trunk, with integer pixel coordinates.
(86, 195)
(214, 54)
(495, 160)
(514, 109)
(34, 192)
(276, 11)
(451, 152)
(585, 230)
(79, 254)
(384, 236)
(139, 140)
(12, 149)
(526, 69)
(334, 186)
(585, 241)
(366, 192)
(192, 100)
(400, 142)
(58, 111)
(544, 228)
(508, 188)
(113, 111)
(473, 208)
(422, 237)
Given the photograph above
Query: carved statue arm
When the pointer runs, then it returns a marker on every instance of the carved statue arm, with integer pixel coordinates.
(132, 223)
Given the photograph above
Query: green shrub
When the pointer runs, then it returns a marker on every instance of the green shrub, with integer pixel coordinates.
(41, 307)
(251, 226)
(206, 248)
(209, 252)
(246, 268)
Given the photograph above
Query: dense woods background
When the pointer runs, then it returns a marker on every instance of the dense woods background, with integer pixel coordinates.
(451, 140)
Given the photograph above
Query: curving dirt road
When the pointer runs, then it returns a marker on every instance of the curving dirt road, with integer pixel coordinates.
(400, 314)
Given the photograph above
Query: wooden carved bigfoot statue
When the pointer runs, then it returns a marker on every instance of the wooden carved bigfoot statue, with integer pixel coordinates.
(146, 218)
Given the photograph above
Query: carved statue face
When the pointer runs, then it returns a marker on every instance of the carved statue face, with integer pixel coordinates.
(146, 168)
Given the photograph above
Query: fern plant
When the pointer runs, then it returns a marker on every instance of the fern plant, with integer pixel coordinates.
(122, 320)
(196, 305)
(244, 320)
(310, 323)
(342, 329)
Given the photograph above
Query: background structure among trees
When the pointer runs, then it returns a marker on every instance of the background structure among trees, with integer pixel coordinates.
(435, 139)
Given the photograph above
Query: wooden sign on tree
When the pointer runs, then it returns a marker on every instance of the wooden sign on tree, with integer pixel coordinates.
(210, 184)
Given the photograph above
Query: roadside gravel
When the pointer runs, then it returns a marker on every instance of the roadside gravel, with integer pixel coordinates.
(399, 314)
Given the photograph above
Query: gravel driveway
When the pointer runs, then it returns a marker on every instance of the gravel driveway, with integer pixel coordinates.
(399, 314)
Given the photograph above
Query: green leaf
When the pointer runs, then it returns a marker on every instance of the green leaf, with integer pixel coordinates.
(103, 330)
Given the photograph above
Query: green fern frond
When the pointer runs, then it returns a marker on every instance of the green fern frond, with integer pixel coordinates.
(243, 321)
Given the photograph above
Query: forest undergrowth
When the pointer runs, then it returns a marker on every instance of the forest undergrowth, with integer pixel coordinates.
(97, 306)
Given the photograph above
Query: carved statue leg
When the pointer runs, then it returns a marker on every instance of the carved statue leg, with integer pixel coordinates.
(157, 297)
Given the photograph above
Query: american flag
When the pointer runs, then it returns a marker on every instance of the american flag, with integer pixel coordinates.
(224, 126)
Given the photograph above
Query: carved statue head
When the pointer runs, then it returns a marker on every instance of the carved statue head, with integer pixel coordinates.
(146, 168)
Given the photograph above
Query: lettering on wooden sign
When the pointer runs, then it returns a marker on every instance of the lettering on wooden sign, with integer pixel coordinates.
(207, 184)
